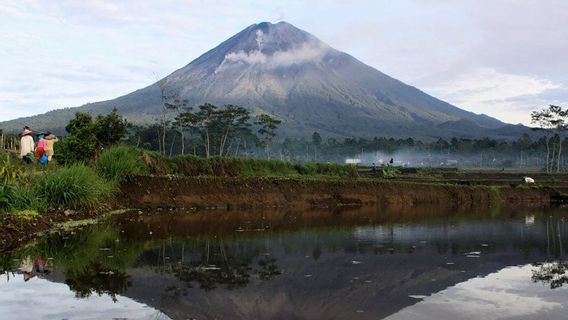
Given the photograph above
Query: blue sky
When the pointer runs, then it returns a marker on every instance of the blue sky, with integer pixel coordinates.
(499, 57)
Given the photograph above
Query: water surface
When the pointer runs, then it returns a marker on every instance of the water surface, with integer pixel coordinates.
(369, 263)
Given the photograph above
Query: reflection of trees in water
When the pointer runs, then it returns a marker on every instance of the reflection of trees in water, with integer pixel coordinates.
(211, 263)
(268, 268)
(94, 259)
(96, 278)
(554, 273)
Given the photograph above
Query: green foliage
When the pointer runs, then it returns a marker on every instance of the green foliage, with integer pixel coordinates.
(88, 137)
(247, 167)
(326, 169)
(109, 129)
(75, 149)
(17, 198)
(389, 171)
(9, 172)
(6, 194)
(119, 162)
(74, 187)
(267, 130)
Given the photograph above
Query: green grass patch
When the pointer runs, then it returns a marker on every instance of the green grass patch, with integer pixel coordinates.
(248, 167)
(74, 187)
(119, 162)
(14, 198)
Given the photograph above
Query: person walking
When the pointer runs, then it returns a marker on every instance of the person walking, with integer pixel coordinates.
(27, 146)
(50, 140)
(41, 157)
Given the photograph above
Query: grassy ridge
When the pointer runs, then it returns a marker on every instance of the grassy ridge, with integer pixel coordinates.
(247, 167)
(79, 186)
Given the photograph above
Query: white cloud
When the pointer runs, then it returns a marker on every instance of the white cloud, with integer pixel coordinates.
(506, 294)
(306, 52)
(405, 39)
(52, 300)
(502, 95)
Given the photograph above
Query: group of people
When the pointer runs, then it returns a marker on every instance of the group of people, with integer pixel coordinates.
(42, 152)
(37, 266)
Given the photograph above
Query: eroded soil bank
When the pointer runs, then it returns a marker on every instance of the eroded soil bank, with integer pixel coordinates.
(185, 192)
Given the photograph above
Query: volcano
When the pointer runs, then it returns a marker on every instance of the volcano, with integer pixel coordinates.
(286, 72)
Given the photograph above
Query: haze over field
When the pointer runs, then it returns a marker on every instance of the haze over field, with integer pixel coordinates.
(488, 57)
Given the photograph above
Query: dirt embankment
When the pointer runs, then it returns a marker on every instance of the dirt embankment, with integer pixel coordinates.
(236, 193)
(16, 231)
(185, 192)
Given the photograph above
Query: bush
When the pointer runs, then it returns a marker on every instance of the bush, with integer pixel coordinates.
(9, 172)
(73, 187)
(326, 169)
(16, 198)
(74, 149)
(119, 162)
(389, 171)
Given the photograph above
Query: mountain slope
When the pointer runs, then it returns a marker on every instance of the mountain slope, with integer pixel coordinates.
(289, 73)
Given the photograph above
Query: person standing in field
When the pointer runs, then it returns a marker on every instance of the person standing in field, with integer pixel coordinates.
(40, 148)
(51, 139)
(27, 146)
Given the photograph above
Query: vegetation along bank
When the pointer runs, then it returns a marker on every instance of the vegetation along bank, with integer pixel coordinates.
(35, 199)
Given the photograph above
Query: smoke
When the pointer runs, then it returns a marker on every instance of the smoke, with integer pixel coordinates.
(413, 158)
(308, 52)
(259, 39)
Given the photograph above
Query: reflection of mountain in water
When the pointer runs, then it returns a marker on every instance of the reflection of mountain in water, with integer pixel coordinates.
(363, 266)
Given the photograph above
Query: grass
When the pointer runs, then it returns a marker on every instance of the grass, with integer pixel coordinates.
(120, 162)
(74, 187)
(14, 198)
(247, 167)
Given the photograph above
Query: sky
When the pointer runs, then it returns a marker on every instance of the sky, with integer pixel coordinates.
(52, 300)
(504, 58)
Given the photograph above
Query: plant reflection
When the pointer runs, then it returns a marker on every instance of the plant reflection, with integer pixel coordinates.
(212, 263)
(96, 278)
(554, 273)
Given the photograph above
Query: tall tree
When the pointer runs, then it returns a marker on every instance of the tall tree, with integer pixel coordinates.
(205, 119)
(267, 131)
(178, 106)
(552, 121)
(231, 119)
(109, 129)
(316, 140)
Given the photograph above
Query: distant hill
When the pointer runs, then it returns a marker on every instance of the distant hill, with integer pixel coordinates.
(284, 71)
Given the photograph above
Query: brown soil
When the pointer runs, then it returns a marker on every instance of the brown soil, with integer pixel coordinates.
(17, 231)
(185, 192)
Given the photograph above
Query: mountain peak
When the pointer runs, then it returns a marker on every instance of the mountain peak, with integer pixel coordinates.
(279, 69)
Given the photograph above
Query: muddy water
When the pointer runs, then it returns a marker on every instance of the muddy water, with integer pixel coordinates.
(371, 263)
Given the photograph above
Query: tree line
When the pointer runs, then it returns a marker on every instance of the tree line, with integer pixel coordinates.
(230, 130)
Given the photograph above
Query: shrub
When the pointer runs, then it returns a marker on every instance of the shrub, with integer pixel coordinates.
(15, 198)
(326, 169)
(119, 162)
(389, 171)
(73, 187)
(9, 172)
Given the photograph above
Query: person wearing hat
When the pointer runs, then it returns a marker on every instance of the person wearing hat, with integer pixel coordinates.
(50, 140)
(27, 146)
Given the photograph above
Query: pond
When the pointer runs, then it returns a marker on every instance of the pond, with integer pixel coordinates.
(355, 263)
